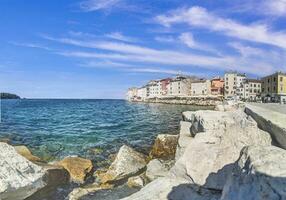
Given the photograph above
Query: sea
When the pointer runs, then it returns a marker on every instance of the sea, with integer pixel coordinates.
(93, 129)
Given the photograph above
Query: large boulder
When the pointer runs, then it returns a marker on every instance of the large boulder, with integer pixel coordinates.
(127, 163)
(19, 178)
(209, 157)
(156, 169)
(259, 174)
(24, 151)
(184, 138)
(55, 176)
(78, 168)
(164, 147)
(171, 188)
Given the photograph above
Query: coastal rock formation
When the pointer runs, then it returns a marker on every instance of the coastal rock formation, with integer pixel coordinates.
(19, 178)
(172, 188)
(184, 138)
(24, 151)
(164, 147)
(260, 173)
(156, 169)
(218, 141)
(55, 176)
(136, 181)
(77, 167)
(127, 163)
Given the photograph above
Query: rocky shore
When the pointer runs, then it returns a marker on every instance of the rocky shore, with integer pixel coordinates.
(198, 101)
(219, 154)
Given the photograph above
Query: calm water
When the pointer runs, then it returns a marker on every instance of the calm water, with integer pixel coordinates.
(89, 128)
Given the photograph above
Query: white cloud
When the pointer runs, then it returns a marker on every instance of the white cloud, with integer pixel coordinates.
(168, 39)
(275, 7)
(201, 18)
(119, 36)
(188, 39)
(31, 45)
(95, 5)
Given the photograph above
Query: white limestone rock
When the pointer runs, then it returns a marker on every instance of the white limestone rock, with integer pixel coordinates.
(259, 174)
(209, 157)
(127, 163)
(19, 178)
(184, 138)
(156, 169)
(167, 188)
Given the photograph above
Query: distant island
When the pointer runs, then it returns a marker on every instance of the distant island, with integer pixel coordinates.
(4, 95)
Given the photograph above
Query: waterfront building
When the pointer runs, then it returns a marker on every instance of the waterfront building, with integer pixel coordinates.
(274, 87)
(201, 87)
(164, 86)
(250, 90)
(132, 93)
(179, 86)
(153, 89)
(142, 93)
(233, 84)
(217, 86)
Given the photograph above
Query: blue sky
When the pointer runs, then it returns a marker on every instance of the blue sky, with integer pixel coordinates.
(99, 48)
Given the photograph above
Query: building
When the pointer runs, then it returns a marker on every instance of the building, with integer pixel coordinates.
(233, 82)
(164, 86)
(250, 90)
(153, 89)
(201, 87)
(131, 93)
(274, 88)
(179, 86)
(142, 93)
(217, 86)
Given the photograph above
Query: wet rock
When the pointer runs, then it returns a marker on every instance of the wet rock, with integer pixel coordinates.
(5, 140)
(156, 169)
(164, 147)
(19, 178)
(78, 168)
(209, 157)
(24, 151)
(260, 173)
(127, 163)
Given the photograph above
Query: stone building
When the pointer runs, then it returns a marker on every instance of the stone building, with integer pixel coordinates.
(201, 87)
(179, 86)
(274, 87)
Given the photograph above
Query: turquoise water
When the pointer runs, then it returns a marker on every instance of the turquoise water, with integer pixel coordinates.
(93, 129)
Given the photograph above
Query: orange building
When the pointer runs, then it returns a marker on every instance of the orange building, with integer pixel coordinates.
(217, 85)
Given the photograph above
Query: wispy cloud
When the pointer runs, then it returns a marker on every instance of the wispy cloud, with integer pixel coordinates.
(168, 39)
(31, 45)
(95, 5)
(201, 18)
(119, 36)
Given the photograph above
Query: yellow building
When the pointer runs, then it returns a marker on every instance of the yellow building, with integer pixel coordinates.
(274, 87)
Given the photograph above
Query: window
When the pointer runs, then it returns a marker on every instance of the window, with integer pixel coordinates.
(281, 79)
(274, 88)
(274, 79)
(254, 85)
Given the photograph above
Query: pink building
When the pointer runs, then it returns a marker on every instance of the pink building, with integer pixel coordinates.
(217, 85)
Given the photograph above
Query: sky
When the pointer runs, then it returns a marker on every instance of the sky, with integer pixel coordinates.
(100, 48)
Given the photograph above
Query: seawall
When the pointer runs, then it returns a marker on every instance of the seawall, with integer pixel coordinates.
(199, 101)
